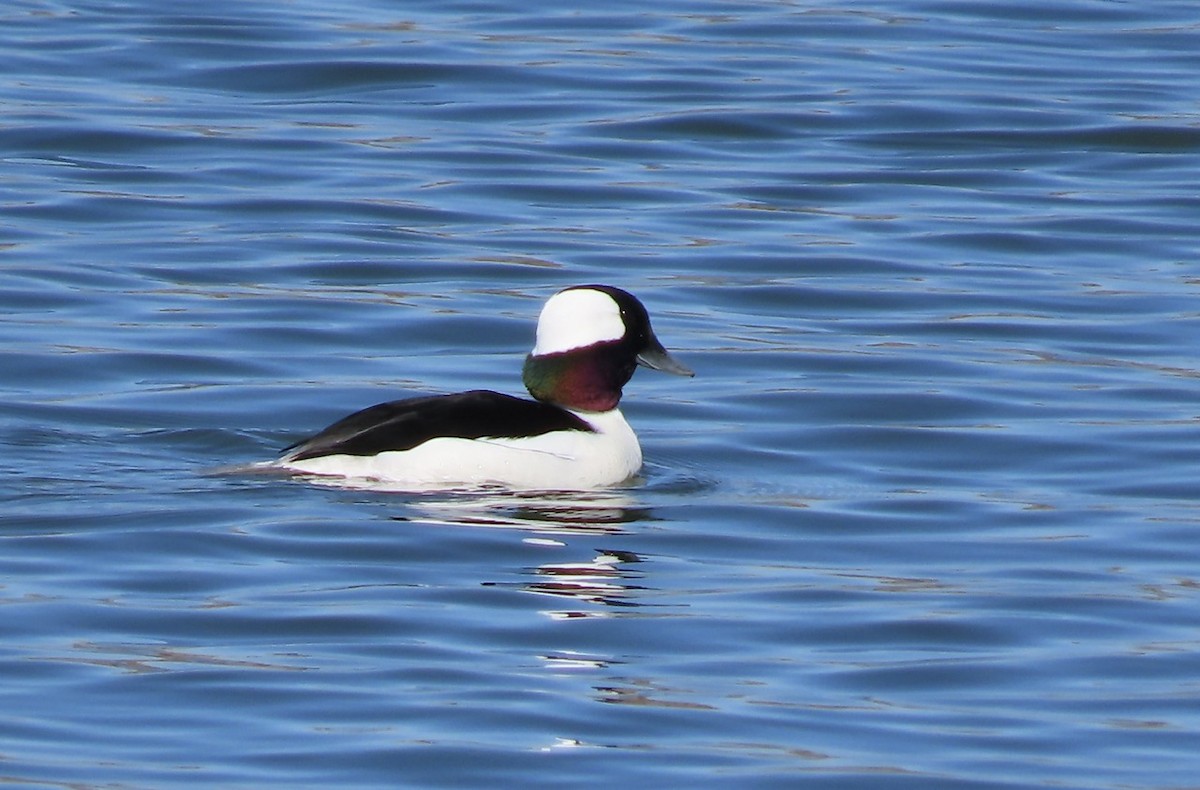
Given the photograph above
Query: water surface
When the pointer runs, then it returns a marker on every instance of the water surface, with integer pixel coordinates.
(925, 517)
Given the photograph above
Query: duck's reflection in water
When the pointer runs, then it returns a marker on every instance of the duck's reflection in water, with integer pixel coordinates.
(548, 512)
(605, 581)
(608, 579)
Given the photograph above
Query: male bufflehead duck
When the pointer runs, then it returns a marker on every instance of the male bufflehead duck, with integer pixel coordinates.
(590, 339)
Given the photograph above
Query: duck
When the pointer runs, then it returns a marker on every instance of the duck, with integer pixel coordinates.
(570, 435)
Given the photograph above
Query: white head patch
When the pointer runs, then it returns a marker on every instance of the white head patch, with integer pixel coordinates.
(576, 318)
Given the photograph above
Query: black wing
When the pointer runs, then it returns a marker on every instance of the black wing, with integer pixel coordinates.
(404, 424)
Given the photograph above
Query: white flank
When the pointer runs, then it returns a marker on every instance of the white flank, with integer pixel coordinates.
(577, 318)
(562, 460)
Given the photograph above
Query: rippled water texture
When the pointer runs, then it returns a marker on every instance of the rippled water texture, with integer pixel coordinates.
(926, 517)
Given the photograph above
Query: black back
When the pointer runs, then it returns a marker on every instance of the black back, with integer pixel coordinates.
(405, 424)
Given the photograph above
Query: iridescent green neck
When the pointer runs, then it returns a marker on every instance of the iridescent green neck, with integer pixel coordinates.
(586, 379)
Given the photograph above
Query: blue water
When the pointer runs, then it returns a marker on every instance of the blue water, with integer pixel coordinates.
(927, 516)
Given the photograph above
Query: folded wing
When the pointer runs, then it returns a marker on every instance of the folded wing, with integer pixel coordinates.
(405, 424)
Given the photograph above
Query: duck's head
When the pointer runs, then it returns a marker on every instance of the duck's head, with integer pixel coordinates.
(590, 339)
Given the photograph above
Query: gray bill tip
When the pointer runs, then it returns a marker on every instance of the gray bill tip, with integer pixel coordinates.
(660, 359)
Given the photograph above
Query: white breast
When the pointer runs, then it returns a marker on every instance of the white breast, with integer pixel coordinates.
(562, 460)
